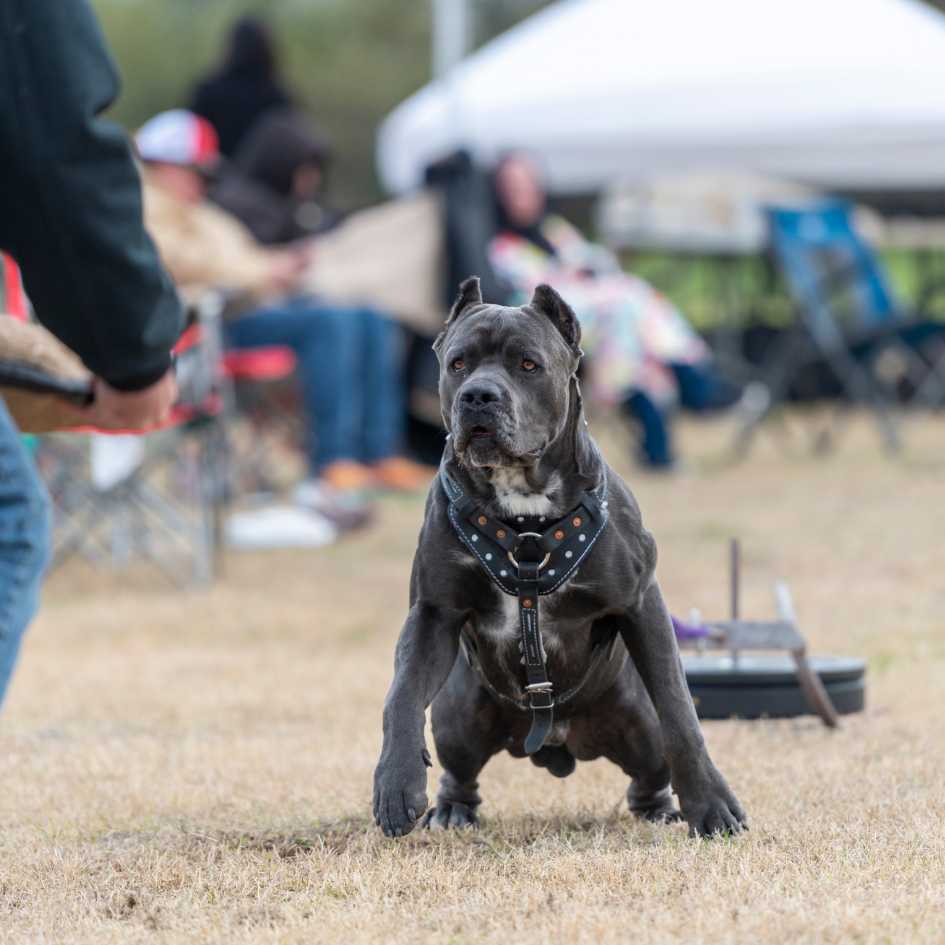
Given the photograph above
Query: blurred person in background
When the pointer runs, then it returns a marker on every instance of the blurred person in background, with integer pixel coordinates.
(245, 85)
(349, 358)
(274, 183)
(643, 355)
(70, 215)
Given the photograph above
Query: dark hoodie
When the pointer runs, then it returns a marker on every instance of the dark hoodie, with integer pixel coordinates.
(257, 188)
(70, 197)
(244, 88)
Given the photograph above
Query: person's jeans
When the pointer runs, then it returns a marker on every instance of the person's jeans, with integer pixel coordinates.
(350, 367)
(655, 449)
(701, 389)
(24, 543)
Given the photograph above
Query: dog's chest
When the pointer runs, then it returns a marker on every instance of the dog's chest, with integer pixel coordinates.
(514, 495)
(500, 626)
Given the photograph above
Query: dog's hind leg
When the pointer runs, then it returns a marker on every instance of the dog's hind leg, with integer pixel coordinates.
(625, 729)
(638, 749)
(467, 732)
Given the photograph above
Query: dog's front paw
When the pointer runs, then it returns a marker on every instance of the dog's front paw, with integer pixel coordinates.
(400, 793)
(711, 809)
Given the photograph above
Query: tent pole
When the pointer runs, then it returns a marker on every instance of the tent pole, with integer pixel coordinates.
(452, 22)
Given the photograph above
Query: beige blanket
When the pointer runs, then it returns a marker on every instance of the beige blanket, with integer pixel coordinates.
(391, 257)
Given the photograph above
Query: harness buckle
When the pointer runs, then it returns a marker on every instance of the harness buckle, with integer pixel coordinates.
(522, 535)
(540, 695)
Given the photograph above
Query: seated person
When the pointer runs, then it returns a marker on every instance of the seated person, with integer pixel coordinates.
(274, 184)
(642, 354)
(349, 358)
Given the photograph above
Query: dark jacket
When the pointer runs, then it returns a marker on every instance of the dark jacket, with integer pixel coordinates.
(244, 87)
(233, 103)
(257, 186)
(70, 196)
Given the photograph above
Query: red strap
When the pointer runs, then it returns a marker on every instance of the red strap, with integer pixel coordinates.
(261, 364)
(13, 289)
(179, 415)
(189, 339)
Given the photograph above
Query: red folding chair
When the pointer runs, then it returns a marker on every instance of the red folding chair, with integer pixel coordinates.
(155, 495)
(265, 398)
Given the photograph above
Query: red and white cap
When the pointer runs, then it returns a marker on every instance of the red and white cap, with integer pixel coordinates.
(179, 137)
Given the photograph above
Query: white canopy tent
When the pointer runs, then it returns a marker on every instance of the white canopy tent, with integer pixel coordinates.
(838, 93)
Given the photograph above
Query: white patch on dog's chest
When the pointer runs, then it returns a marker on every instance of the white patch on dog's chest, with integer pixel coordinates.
(516, 498)
(502, 625)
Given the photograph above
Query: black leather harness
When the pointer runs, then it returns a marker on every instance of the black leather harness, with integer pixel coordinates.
(527, 560)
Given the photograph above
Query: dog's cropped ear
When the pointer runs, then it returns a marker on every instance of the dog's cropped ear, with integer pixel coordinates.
(470, 294)
(547, 302)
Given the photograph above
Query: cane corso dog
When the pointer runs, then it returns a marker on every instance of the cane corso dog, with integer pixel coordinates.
(536, 623)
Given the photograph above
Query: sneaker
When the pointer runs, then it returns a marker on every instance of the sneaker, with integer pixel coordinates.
(345, 475)
(347, 511)
(278, 526)
(402, 475)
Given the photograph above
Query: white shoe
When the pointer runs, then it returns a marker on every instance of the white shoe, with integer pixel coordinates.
(278, 526)
(346, 512)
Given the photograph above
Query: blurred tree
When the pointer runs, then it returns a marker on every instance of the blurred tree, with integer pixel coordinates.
(348, 61)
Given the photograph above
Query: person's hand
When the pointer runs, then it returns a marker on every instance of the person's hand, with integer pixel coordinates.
(131, 410)
(306, 249)
(286, 267)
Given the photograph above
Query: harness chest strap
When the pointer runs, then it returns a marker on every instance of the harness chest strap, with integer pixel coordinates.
(538, 687)
(529, 565)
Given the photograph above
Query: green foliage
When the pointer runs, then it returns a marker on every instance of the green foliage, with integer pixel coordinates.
(347, 61)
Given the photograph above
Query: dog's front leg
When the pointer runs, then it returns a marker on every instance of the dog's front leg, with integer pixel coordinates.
(705, 799)
(425, 655)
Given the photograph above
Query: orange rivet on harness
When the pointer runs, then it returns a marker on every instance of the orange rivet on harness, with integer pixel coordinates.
(576, 521)
(500, 533)
(559, 535)
(527, 602)
(482, 520)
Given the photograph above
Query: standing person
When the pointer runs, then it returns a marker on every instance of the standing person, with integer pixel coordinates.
(70, 215)
(244, 86)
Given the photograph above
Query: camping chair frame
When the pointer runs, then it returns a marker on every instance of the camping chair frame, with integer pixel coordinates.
(846, 319)
(167, 511)
(168, 508)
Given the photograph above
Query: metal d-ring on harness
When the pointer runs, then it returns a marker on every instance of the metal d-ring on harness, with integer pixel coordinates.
(529, 564)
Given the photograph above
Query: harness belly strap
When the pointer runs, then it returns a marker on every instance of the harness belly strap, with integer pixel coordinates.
(528, 565)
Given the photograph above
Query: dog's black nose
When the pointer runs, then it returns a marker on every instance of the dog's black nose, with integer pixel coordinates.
(479, 395)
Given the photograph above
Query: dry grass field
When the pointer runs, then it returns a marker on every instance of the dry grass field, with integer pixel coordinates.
(196, 767)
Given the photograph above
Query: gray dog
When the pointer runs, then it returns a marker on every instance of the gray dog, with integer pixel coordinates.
(536, 624)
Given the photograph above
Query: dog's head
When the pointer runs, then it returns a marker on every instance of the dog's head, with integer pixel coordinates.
(505, 376)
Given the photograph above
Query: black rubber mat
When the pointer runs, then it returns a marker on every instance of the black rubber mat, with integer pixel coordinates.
(767, 686)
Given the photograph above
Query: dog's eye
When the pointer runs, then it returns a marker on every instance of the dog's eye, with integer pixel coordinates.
(458, 364)
(528, 365)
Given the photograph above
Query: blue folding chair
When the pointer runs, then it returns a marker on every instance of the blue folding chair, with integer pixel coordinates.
(847, 318)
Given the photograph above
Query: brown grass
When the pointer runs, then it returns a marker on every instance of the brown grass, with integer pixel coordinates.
(195, 768)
